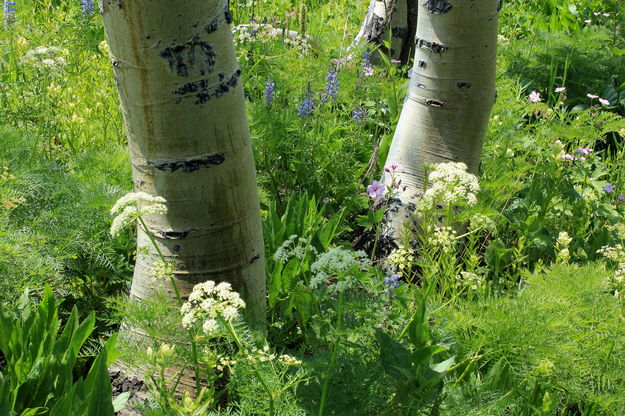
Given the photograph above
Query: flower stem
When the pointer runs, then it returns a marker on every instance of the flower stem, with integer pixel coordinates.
(242, 348)
(172, 280)
(335, 348)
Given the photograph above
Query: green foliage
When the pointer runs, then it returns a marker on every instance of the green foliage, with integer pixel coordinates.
(559, 337)
(39, 375)
(417, 376)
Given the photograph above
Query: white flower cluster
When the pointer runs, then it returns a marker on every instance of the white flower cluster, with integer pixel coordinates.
(481, 222)
(46, 57)
(337, 270)
(207, 301)
(134, 205)
(160, 270)
(443, 238)
(400, 260)
(617, 255)
(293, 247)
(449, 184)
(562, 247)
(471, 280)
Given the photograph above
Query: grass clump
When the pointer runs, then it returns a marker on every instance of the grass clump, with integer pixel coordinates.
(554, 347)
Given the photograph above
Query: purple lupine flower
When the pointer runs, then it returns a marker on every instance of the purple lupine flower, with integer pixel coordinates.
(332, 86)
(307, 107)
(367, 68)
(609, 188)
(621, 198)
(391, 281)
(8, 11)
(376, 190)
(269, 91)
(358, 114)
(87, 7)
(584, 151)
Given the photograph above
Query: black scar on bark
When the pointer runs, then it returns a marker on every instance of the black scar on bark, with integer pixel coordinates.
(463, 84)
(203, 90)
(434, 103)
(433, 46)
(253, 259)
(212, 26)
(182, 57)
(499, 5)
(228, 15)
(190, 165)
(422, 64)
(437, 6)
(174, 235)
(176, 248)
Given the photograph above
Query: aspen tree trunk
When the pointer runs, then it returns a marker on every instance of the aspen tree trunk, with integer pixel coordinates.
(451, 93)
(398, 16)
(182, 100)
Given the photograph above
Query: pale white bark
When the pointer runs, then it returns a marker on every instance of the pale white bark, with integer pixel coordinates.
(184, 111)
(395, 15)
(449, 99)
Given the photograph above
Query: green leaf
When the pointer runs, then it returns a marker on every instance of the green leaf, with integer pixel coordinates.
(35, 411)
(120, 401)
(98, 385)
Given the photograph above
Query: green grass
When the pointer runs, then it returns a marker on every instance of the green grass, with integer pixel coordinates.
(564, 317)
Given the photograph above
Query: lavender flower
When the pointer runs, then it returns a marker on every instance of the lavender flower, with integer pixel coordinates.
(609, 188)
(8, 11)
(621, 198)
(391, 281)
(584, 151)
(358, 114)
(367, 68)
(376, 190)
(269, 91)
(87, 7)
(332, 86)
(568, 157)
(307, 107)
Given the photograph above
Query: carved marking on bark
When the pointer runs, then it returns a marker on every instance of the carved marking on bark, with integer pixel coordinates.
(204, 90)
(434, 103)
(422, 64)
(437, 6)
(463, 84)
(433, 46)
(182, 59)
(253, 259)
(189, 165)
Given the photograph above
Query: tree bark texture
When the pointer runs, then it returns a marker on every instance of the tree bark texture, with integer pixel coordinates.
(182, 100)
(400, 16)
(451, 94)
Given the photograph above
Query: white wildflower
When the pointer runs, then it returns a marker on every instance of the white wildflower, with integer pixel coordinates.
(289, 360)
(443, 238)
(449, 184)
(207, 302)
(134, 205)
(293, 247)
(401, 260)
(337, 270)
(482, 222)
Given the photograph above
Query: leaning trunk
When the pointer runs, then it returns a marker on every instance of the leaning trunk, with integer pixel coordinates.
(449, 99)
(397, 16)
(182, 100)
